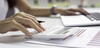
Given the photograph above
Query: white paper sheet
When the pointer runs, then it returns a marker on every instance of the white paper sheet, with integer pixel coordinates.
(76, 41)
(11, 46)
(96, 40)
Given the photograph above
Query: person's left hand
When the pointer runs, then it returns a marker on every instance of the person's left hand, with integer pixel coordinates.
(20, 21)
(71, 11)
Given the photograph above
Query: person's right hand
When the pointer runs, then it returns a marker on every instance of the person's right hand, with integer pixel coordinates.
(71, 11)
(20, 21)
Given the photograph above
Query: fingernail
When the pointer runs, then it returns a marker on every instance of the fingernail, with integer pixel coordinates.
(40, 31)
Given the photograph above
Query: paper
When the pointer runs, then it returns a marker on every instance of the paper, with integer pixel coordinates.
(96, 40)
(11, 46)
(79, 40)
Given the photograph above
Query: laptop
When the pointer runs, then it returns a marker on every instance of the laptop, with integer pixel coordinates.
(80, 20)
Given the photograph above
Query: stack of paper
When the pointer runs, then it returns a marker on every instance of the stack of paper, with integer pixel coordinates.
(80, 39)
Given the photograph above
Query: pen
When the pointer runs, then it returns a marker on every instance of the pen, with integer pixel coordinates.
(41, 21)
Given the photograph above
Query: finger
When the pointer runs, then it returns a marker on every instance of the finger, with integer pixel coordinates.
(35, 20)
(28, 22)
(18, 26)
(14, 29)
(32, 18)
(82, 11)
(27, 26)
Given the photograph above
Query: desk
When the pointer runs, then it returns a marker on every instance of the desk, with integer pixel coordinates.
(20, 41)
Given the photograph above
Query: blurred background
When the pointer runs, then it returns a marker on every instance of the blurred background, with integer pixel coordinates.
(66, 3)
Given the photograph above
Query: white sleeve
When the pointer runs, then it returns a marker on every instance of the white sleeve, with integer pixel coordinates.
(3, 9)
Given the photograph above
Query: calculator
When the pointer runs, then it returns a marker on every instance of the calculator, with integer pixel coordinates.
(56, 33)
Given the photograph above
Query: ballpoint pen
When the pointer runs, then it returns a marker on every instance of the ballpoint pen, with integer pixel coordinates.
(40, 21)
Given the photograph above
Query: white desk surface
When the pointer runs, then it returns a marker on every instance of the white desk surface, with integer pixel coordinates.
(20, 41)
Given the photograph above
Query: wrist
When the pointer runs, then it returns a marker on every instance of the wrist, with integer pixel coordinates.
(59, 10)
(53, 11)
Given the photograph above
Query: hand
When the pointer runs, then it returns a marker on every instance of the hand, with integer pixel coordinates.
(72, 11)
(19, 21)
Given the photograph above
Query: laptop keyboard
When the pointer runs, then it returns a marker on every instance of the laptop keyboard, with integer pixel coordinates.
(94, 16)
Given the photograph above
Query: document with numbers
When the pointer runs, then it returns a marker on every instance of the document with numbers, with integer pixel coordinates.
(80, 39)
(96, 40)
